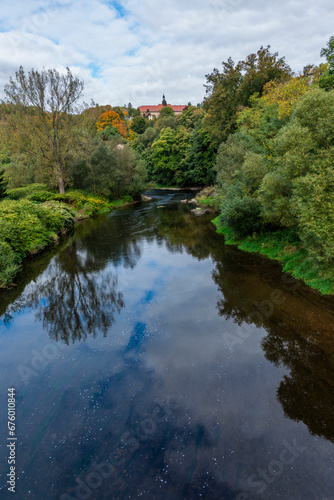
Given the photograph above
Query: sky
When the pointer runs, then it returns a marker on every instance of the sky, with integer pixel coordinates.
(136, 50)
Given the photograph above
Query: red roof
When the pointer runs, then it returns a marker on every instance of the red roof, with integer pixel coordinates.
(159, 107)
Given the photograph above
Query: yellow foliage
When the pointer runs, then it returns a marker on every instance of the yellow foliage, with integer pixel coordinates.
(131, 135)
(285, 94)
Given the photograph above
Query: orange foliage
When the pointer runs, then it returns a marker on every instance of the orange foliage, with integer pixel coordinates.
(111, 119)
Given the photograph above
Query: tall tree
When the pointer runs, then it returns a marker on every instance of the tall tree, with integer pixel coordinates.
(232, 89)
(326, 81)
(45, 103)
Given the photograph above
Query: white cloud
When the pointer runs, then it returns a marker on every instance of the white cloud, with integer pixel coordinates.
(156, 46)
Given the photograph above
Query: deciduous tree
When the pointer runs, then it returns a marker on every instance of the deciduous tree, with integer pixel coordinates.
(111, 119)
(45, 102)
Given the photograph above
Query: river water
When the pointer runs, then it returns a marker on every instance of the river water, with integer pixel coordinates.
(152, 361)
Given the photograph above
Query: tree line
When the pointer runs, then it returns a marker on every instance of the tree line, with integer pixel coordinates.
(263, 136)
(46, 137)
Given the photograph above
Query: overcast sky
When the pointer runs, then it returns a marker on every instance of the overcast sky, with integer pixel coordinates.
(136, 50)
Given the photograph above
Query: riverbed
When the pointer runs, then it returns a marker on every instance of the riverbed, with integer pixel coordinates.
(150, 360)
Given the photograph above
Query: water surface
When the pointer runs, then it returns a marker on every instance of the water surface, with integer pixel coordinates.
(152, 361)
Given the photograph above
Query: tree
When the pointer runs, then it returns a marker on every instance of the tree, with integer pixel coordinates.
(132, 112)
(116, 170)
(169, 155)
(45, 102)
(166, 111)
(111, 119)
(138, 124)
(221, 102)
(232, 89)
(3, 184)
(326, 81)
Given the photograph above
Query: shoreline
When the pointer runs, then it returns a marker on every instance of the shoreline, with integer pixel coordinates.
(78, 218)
(291, 256)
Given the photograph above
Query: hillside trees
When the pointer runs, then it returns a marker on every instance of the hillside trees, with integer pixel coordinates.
(277, 173)
(232, 89)
(43, 120)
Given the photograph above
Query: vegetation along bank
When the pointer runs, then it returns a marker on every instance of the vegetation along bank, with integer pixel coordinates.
(263, 137)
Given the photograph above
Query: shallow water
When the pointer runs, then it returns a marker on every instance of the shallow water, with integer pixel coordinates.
(152, 361)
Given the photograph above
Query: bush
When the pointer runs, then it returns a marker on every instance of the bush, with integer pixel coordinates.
(90, 204)
(57, 216)
(8, 264)
(25, 191)
(28, 227)
(41, 196)
(242, 215)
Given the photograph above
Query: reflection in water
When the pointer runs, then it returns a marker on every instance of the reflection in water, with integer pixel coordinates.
(299, 333)
(74, 301)
(307, 394)
(148, 385)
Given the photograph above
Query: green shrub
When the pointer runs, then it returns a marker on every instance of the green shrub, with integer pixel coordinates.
(88, 203)
(56, 216)
(25, 191)
(127, 199)
(41, 196)
(242, 215)
(28, 227)
(8, 264)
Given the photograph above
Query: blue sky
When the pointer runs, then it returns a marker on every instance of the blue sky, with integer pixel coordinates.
(134, 51)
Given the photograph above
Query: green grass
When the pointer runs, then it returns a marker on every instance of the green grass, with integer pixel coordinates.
(211, 201)
(284, 247)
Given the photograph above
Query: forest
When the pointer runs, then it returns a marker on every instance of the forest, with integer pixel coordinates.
(263, 136)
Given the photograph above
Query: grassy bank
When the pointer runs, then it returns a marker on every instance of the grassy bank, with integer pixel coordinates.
(33, 217)
(285, 248)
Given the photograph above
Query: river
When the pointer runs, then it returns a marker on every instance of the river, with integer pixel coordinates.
(149, 360)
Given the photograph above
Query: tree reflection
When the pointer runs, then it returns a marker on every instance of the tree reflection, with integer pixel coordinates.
(299, 325)
(74, 301)
(182, 231)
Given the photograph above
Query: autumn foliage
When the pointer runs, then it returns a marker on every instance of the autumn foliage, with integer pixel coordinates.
(111, 119)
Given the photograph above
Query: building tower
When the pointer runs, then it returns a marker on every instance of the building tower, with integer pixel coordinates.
(164, 102)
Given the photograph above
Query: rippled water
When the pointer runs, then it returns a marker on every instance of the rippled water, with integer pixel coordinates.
(152, 361)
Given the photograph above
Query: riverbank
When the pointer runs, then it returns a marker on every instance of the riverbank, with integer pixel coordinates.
(283, 247)
(33, 219)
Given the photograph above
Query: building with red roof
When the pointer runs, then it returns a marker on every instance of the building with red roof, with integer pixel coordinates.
(151, 111)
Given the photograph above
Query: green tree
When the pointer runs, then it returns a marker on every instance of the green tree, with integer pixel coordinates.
(132, 112)
(326, 81)
(169, 156)
(166, 122)
(3, 184)
(222, 102)
(116, 170)
(259, 69)
(190, 117)
(45, 103)
(200, 158)
(166, 111)
(233, 88)
(138, 124)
